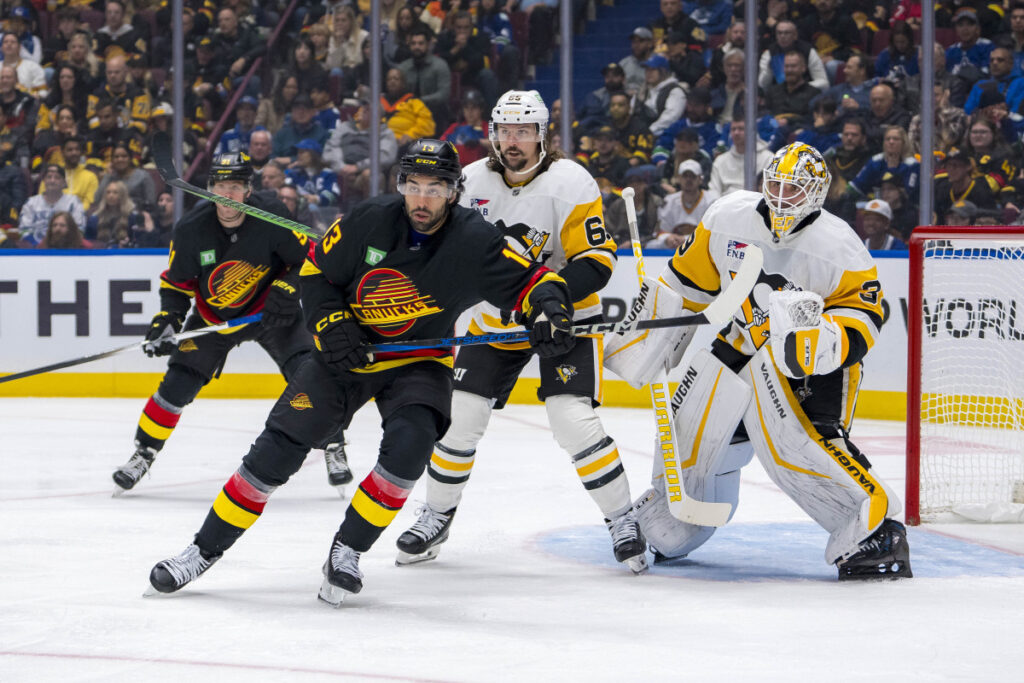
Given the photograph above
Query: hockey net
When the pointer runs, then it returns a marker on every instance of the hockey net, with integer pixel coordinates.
(965, 375)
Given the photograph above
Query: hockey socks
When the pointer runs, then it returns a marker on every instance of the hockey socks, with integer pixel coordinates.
(156, 423)
(237, 507)
(379, 498)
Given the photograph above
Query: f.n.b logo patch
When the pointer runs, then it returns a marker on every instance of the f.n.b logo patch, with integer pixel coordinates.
(735, 249)
(478, 204)
(374, 256)
(207, 258)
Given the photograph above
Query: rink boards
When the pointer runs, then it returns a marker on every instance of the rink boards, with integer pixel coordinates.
(56, 306)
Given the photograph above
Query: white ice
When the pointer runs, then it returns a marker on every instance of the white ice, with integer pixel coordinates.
(525, 590)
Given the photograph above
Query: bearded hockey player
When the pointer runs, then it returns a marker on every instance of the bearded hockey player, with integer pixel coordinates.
(550, 211)
(781, 380)
(232, 265)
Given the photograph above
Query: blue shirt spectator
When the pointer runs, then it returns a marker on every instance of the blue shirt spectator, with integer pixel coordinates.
(972, 49)
(713, 16)
(237, 139)
(318, 184)
(1003, 81)
(907, 169)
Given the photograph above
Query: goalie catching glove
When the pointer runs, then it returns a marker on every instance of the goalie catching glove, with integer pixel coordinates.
(339, 338)
(637, 356)
(804, 342)
(549, 320)
(281, 305)
(164, 325)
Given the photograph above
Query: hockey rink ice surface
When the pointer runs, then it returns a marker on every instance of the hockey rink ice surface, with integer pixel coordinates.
(526, 589)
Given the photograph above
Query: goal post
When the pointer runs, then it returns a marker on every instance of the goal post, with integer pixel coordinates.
(965, 374)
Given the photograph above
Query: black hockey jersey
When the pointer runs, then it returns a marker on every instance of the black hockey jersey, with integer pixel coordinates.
(367, 266)
(228, 271)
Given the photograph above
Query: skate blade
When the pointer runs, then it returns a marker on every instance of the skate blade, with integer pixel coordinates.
(152, 592)
(341, 491)
(331, 594)
(637, 564)
(405, 558)
(118, 491)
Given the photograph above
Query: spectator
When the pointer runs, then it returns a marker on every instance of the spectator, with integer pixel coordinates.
(847, 160)
(833, 34)
(908, 11)
(407, 116)
(697, 116)
(1015, 39)
(80, 56)
(467, 50)
(1003, 80)
(728, 168)
(594, 112)
(875, 219)
(673, 19)
(63, 233)
(272, 111)
(685, 60)
(899, 59)
(853, 95)
(301, 126)
(132, 104)
(396, 43)
(34, 218)
(46, 145)
(605, 162)
(100, 141)
(663, 96)
(348, 152)
(117, 37)
(157, 225)
(957, 185)
(298, 210)
(686, 147)
(641, 45)
(303, 66)
(682, 211)
(496, 24)
(320, 36)
(790, 101)
(327, 115)
(634, 136)
(823, 135)
(317, 184)
(647, 204)
(957, 86)
(966, 212)
(30, 74)
(19, 22)
(346, 46)
(272, 177)
(237, 139)
(884, 112)
(969, 56)
(904, 211)
(19, 112)
(469, 134)
(69, 91)
(726, 95)
(13, 194)
(81, 181)
(427, 76)
(992, 161)
(55, 47)
(735, 39)
(161, 120)
(895, 158)
(712, 16)
(137, 182)
(260, 148)
(992, 107)
(770, 68)
(115, 222)
(239, 46)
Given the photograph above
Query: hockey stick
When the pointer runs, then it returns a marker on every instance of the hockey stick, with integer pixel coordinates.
(181, 336)
(680, 505)
(165, 165)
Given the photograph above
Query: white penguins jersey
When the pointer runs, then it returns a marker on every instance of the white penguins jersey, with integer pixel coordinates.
(824, 256)
(554, 219)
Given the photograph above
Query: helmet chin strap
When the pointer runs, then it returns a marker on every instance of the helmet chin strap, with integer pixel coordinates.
(511, 170)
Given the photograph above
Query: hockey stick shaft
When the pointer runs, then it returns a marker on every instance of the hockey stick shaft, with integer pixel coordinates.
(680, 505)
(165, 165)
(182, 336)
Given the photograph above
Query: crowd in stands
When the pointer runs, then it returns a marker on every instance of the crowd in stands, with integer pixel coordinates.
(84, 87)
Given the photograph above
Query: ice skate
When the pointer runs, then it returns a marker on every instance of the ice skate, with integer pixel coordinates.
(341, 574)
(174, 573)
(628, 542)
(338, 472)
(129, 474)
(423, 539)
(884, 555)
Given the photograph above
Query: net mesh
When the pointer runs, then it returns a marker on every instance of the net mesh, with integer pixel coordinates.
(972, 377)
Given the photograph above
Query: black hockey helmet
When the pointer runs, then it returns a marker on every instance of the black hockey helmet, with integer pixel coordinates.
(231, 166)
(433, 158)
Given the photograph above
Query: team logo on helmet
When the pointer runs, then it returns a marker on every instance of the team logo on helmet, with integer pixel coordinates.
(794, 186)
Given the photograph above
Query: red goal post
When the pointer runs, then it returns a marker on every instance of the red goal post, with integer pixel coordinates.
(965, 374)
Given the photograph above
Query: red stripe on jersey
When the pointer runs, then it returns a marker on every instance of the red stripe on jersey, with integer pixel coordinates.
(311, 252)
(526, 290)
(383, 491)
(164, 418)
(245, 494)
(189, 285)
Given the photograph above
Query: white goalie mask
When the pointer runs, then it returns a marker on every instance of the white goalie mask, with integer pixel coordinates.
(795, 184)
(519, 106)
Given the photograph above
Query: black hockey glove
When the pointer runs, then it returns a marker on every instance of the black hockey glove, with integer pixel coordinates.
(281, 305)
(550, 320)
(164, 325)
(340, 341)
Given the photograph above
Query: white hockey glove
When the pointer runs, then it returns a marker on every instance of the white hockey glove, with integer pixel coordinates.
(803, 341)
(638, 355)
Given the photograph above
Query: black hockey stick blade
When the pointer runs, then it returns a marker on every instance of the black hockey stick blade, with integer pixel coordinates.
(165, 165)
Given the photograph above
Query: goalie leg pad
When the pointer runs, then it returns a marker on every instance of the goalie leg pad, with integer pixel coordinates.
(452, 460)
(578, 430)
(822, 475)
(637, 356)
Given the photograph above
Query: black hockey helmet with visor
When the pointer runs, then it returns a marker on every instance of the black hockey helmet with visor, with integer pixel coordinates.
(231, 166)
(432, 158)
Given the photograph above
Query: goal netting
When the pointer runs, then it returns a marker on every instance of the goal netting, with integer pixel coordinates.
(965, 389)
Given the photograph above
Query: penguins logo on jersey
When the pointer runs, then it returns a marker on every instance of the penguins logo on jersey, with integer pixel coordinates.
(529, 241)
(566, 373)
(389, 302)
(233, 284)
(755, 307)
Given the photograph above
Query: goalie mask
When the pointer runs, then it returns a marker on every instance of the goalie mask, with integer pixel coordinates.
(514, 107)
(794, 186)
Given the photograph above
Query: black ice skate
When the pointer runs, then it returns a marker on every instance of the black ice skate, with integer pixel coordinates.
(884, 555)
(628, 542)
(128, 475)
(338, 472)
(341, 574)
(174, 573)
(423, 539)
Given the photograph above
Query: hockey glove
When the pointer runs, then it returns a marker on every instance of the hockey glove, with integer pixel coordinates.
(164, 325)
(340, 341)
(550, 320)
(281, 305)
(804, 342)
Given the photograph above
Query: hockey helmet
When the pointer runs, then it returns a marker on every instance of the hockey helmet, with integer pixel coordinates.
(432, 158)
(519, 106)
(231, 166)
(794, 186)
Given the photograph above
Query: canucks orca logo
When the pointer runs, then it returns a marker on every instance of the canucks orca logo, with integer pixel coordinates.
(528, 241)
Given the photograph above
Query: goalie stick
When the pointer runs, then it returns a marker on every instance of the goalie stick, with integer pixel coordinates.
(680, 505)
(181, 336)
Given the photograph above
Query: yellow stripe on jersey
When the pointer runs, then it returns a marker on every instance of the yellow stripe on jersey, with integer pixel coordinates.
(859, 290)
(584, 230)
(164, 284)
(308, 268)
(508, 253)
(231, 513)
(372, 511)
(694, 259)
(400, 362)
